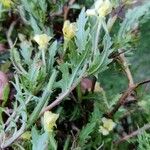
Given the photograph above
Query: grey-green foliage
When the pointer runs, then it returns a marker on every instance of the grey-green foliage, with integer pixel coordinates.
(77, 57)
(85, 133)
(37, 83)
(86, 137)
(37, 8)
(52, 50)
(34, 14)
(101, 59)
(26, 51)
(33, 73)
(81, 56)
(2, 10)
(43, 141)
(82, 33)
(39, 142)
(143, 141)
(31, 78)
(47, 92)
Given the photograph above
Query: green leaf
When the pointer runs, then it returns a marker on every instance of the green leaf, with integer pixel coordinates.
(66, 145)
(26, 51)
(82, 33)
(52, 142)
(52, 52)
(85, 133)
(45, 97)
(101, 60)
(39, 142)
(73, 70)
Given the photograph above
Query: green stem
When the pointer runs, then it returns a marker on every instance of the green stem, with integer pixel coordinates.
(79, 93)
(66, 41)
(43, 57)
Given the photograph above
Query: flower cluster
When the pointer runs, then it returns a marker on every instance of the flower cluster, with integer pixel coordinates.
(49, 121)
(101, 8)
(107, 126)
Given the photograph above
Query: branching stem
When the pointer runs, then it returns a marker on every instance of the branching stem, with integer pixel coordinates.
(133, 134)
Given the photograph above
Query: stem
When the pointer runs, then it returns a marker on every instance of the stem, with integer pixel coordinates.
(9, 33)
(65, 46)
(126, 68)
(43, 57)
(111, 22)
(121, 100)
(79, 93)
(133, 134)
(67, 8)
(124, 96)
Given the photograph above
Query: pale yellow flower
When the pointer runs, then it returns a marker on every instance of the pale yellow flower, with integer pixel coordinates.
(42, 40)
(49, 121)
(108, 125)
(69, 30)
(6, 3)
(103, 130)
(101, 8)
(104, 8)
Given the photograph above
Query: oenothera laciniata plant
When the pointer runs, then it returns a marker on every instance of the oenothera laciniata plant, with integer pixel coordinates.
(43, 66)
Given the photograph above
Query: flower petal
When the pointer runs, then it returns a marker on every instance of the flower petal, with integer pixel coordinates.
(103, 130)
(42, 40)
(90, 12)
